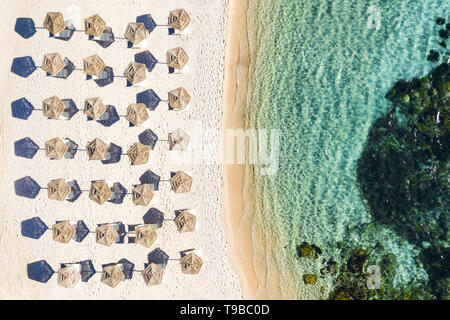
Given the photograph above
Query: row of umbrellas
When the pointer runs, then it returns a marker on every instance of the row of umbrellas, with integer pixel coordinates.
(97, 29)
(96, 69)
(107, 233)
(97, 149)
(112, 274)
(102, 191)
(95, 109)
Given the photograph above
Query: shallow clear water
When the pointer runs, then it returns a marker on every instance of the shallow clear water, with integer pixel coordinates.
(320, 75)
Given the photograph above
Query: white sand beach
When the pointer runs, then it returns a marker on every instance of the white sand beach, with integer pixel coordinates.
(205, 45)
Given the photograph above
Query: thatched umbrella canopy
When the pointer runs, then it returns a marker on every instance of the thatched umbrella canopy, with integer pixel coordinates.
(177, 58)
(137, 113)
(58, 189)
(94, 107)
(179, 19)
(94, 25)
(191, 263)
(63, 231)
(135, 72)
(93, 65)
(135, 32)
(185, 221)
(142, 195)
(55, 148)
(139, 153)
(68, 277)
(181, 182)
(54, 22)
(53, 107)
(145, 235)
(178, 140)
(112, 275)
(53, 63)
(106, 235)
(153, 274)
(97, 149)
(100, 192)
(179, 98)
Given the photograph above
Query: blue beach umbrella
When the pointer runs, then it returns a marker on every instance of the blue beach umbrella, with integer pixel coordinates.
(148, 21)
(119, 193)
(158, 257)
(109, 117)
(21, 108)
(25, 27)
(27, 187)
(128, 268)
(146, 58)
(82, 231)
(149, 138)
(71, 108)
(106, 38)
(114, 153)
(154, 217)
(150, 178)
(72, 148)
(25, 148)
(106, 77)
(33, 228)
(66, 34)
(149, 98)
(39, 271)
(23, 66)
(75, 191)
(87, 270)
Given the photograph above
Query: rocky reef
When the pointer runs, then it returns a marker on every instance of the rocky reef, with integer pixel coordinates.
(403, 171)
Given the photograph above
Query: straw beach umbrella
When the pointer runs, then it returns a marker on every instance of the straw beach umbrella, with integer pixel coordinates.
(178, 140)
(94, 107)
(185, 222)
(112, 275)
(191, 263)
(63, 231)
(68, 277)
(106, 235)
(179, 19)
(153, 274)
(55, 148)
(53, 107)
(100, 192)
(93, 65)
(145, 235)
(137, 113)
(181, 182)
(53, 63)
(177, 58)
(179, 98)
(142, 195)
(94, 25)
(58, 189)
(135, 72)
(97, 149)
(139, 153)
(54, 22)
(135, 32)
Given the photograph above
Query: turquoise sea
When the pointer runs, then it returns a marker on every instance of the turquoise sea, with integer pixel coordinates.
(320, 75)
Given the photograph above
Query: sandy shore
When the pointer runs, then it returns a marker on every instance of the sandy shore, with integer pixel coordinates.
(205, 45)
(253, 242)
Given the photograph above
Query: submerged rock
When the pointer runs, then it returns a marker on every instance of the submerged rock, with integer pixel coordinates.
(440, 21)
(309, 279)
(433, 56)
(308, 250)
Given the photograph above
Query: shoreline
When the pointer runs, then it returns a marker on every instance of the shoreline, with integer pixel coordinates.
(238, 179)
(253, 242)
